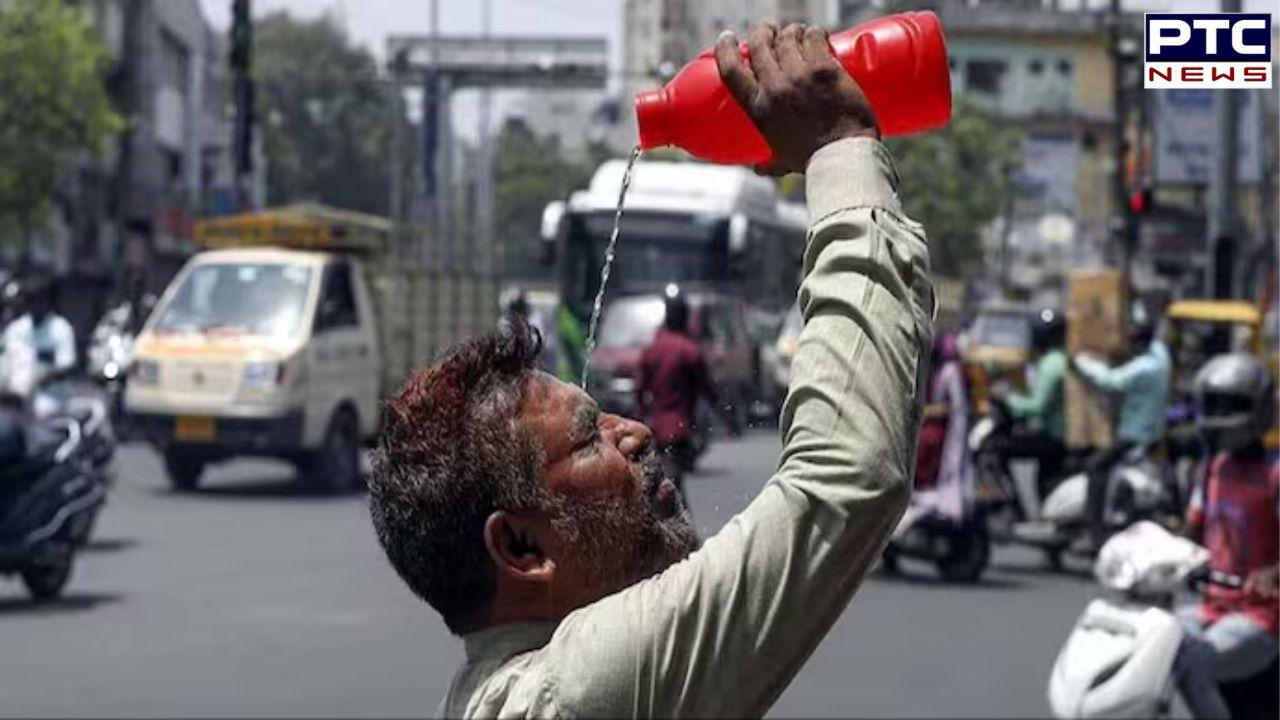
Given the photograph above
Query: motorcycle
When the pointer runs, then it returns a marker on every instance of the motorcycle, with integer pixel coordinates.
(110, 354)
(51, 489)
(1118, 661)
(1058, 523)
(960, 550)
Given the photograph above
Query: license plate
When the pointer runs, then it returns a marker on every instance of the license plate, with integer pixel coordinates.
(195, 429)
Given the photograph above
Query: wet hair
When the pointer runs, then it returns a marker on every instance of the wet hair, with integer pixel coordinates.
(451, 454)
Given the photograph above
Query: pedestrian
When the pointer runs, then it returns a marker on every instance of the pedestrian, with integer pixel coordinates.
(542, 529)
(672, 376)
(1233, 634)
(1140, 386)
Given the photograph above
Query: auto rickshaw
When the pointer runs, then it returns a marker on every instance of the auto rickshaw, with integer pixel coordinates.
(1201, 329)
(996, 348)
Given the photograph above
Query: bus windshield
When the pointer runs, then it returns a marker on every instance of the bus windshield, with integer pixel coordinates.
(239, 298)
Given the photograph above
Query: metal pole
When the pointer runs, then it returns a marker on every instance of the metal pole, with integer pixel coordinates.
(483, 248)
(1120, 219)
(1221, 228)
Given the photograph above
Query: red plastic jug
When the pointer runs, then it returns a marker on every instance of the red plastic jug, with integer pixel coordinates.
(899, 61)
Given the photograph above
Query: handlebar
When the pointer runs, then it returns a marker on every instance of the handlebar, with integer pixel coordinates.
(1201, 577)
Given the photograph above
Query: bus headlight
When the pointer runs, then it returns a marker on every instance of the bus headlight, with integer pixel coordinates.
(146, 372)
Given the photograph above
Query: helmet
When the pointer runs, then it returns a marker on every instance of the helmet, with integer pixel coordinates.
(1234, 395)
(1142, 326)
(1048, 330)
(677, 310)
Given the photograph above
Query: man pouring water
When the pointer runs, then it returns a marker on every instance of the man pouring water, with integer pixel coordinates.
(542, 529)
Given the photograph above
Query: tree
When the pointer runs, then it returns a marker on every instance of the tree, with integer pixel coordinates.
(325, 115)
(958, 180)
(529, 172)
(53, 104)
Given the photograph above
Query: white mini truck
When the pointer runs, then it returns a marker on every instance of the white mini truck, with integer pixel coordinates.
(259, 348)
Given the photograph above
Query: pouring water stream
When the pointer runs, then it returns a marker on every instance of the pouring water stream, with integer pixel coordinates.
(607, 268)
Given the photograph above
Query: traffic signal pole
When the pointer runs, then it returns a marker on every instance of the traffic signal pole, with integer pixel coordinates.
(241, 61)
(1221, 227)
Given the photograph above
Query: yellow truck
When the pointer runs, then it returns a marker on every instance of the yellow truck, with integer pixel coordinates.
(282, 339)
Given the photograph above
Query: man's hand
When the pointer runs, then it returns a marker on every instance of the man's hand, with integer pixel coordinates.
(795, 91)
(1264, 583)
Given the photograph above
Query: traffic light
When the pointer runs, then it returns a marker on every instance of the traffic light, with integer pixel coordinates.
(1140, 201)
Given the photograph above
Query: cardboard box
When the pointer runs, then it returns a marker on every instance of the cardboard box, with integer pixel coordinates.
(1097, 323)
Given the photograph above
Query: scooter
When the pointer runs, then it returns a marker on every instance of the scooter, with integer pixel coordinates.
(1118, 661)
(50, 494)
(1059, 523)
(110, 354)
(960, 550)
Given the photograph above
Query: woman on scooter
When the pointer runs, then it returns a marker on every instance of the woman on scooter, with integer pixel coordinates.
(944, 471)
(1232, 635)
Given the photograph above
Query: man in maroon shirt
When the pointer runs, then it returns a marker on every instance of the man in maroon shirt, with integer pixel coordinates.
(672, 375)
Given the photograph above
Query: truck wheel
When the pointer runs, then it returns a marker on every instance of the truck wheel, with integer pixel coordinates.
(184, 470)
(45, 580)
(335, 467)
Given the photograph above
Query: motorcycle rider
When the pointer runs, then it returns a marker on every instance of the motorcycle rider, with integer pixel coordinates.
(1141, 385)
(671, 376)
(38, 343)
(1044, 405)
(1232, 635)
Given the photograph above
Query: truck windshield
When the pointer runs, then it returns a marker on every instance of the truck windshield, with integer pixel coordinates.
(239, 298)
(631, 322)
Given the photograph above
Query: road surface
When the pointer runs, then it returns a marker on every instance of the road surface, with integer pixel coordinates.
(253, 597)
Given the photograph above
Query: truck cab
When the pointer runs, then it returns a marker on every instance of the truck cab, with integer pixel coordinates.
(260, 352)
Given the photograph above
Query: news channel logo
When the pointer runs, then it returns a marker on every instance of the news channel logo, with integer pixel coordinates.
(1207, 50)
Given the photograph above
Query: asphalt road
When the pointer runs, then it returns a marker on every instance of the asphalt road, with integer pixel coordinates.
(253, 597)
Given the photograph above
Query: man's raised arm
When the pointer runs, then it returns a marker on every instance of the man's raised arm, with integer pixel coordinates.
(723, 632)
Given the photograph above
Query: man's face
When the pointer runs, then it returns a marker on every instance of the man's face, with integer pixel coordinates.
(616, 519)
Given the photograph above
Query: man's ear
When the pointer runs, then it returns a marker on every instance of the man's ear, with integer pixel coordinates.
(515, 546)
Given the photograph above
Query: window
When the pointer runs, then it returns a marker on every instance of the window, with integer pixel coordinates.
(985, 76)
(1036, 67)
(337, 301)
(1064, 67)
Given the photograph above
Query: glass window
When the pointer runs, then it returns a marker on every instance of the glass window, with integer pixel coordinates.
(1065, 67)
(631, 322)
(338, 300)
(1036, 67)
(238, 298)
(985, 76)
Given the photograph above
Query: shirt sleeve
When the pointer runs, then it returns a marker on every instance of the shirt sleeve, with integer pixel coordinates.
(721, 633)
(1049, 376)
(1114, 379)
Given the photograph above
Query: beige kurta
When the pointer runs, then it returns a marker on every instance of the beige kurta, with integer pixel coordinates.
(721, 633)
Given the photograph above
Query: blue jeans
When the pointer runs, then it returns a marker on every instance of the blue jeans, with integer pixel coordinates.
(1233, 648)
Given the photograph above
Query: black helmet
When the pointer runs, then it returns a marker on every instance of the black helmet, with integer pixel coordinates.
(1234, 396)
(1142, 326)
(677, 310)
(1048, 330)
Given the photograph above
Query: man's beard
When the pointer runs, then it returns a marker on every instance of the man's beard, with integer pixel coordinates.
(619, 541)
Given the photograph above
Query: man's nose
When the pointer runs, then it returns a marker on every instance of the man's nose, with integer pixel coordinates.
(632, 437)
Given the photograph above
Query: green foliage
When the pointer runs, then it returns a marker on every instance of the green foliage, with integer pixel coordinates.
(325, 115)
(529, 172)
(955, 181)
(53, 104)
